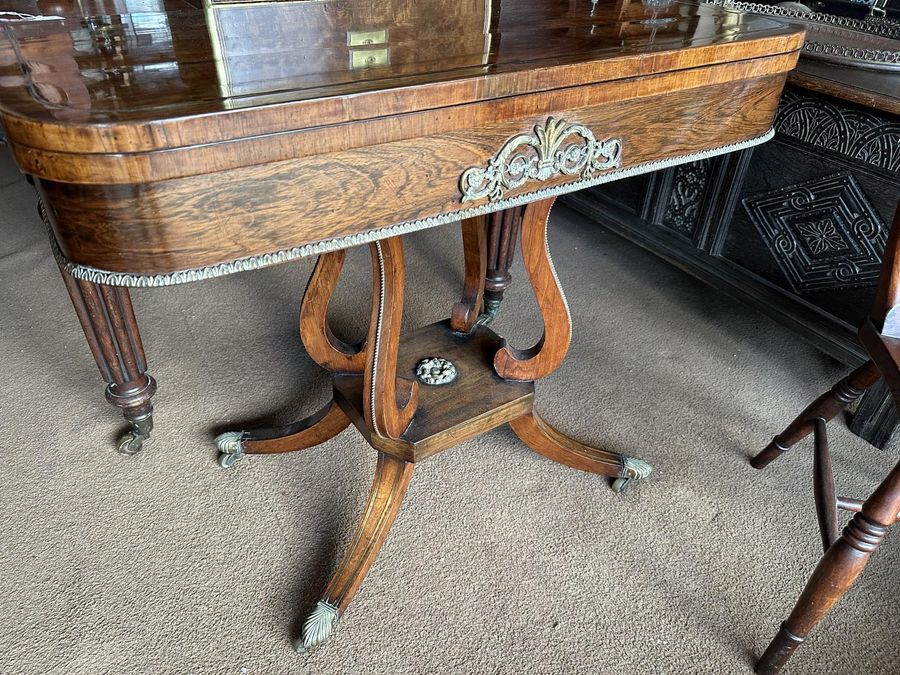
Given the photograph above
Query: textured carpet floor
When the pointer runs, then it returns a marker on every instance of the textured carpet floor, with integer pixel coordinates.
(500, 561)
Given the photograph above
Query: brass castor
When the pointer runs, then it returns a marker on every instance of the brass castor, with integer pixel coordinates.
(231, 448)
(132, 441)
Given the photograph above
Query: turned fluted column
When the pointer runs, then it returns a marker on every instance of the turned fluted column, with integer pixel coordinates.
(107, 319)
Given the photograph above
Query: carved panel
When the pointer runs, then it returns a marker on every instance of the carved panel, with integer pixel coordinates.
(860, 135)
(686, 197)
(823, 233)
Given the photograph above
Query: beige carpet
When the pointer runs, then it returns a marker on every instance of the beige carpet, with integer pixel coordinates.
(501, 562)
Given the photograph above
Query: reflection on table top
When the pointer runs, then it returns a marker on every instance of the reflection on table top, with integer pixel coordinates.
(872, 88)
(134, 60)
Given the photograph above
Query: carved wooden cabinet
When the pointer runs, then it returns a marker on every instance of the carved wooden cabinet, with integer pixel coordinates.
(797, 226)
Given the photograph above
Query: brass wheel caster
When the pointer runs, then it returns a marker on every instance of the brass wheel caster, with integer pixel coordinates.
(231, 448)
(619, 484)
(132, 441)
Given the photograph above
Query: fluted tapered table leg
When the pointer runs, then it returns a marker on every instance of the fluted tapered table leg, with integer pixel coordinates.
(502, 234)
(107, 319)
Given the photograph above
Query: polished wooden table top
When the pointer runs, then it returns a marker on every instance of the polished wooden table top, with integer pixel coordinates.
(129, 66)
(172, 142)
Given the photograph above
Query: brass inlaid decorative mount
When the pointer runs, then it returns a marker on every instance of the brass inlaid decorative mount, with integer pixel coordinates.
(555, 148)
(436, 371)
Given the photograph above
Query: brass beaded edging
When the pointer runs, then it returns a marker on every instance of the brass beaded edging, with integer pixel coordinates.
(98, 276)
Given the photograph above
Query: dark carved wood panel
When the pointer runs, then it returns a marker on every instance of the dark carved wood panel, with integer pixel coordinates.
(685, 201)
(823, 233)
(871, 138)
(838, 190)
(796, 227)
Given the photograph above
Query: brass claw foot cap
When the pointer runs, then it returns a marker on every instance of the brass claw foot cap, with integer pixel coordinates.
(317, 628)
(231, 448)
(635, 469)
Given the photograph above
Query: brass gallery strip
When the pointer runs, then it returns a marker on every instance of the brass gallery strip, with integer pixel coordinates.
(109, 278)
(871, 24)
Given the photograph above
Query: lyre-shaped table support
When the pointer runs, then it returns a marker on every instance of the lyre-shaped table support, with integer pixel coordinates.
(416, 396)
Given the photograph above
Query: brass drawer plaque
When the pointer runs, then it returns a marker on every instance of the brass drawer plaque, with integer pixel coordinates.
(362, 38)
(368, 58)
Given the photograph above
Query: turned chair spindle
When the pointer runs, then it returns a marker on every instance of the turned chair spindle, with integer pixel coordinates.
(847, 552)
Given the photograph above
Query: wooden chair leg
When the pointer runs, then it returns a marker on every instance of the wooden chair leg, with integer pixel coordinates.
(836, 572)
(313, 430)
(826, 407)
(392, 476)
(547, 441)
(823, 487)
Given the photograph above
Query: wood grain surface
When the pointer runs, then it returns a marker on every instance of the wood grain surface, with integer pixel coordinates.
(477, 401)
(190, 222)
(174, 139)
(390, 399)
(174, 76)
(465, 313)
(320, 342)
(309, 432)
(389, 486)
(547, 441)
(242, 151)
(548, 354)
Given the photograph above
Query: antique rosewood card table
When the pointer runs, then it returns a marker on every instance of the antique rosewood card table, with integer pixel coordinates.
(172, 143)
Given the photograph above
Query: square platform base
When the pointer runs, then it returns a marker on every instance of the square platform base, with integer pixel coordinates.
(476, 401)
